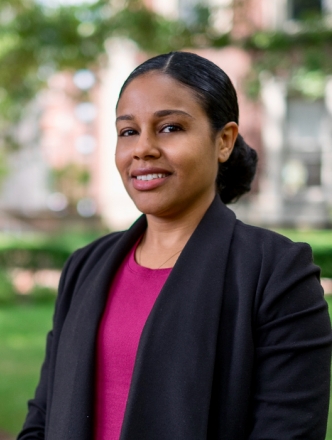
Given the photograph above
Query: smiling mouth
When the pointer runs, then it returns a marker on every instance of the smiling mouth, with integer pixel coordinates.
(151, 176)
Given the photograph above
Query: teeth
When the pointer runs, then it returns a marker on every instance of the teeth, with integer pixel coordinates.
(150, 176)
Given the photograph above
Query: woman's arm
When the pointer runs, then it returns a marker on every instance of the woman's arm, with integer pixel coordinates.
(34, 426)
(293, 352)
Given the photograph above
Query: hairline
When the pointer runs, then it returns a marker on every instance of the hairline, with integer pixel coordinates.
(197, 94)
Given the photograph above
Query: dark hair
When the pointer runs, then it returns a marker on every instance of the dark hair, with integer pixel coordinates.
(215, 92)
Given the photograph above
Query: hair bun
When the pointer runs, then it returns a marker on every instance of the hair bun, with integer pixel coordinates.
(236, 174)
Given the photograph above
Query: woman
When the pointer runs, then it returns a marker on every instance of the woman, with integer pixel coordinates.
(190, 325)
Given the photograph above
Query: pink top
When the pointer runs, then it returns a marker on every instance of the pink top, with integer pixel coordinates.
(131, 298)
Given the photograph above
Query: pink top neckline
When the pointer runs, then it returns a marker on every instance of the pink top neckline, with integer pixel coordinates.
(132, 295)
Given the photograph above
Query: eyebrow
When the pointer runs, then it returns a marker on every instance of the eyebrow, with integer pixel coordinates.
(124, 118)
(158, 114)
(162, 113)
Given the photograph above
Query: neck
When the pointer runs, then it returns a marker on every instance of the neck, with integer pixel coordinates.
(165, 236)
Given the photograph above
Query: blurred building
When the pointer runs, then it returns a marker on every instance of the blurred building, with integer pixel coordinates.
(53, 179)
(295, 186)
(68, 166)
(291, 131)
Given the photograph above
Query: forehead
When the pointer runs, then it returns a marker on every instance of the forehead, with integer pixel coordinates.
(155, 91)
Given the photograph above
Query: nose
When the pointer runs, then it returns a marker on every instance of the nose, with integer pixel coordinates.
(146, 146)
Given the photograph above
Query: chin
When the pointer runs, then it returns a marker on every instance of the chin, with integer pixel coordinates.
(149, 209)
(152, 206)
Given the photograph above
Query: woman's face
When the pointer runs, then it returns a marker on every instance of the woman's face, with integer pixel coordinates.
(166, 153)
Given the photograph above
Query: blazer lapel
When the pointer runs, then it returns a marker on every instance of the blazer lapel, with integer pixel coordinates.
(170, 392)
(73, 398)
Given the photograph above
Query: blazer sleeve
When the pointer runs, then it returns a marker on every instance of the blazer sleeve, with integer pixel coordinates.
(34, 426)
(293, 351)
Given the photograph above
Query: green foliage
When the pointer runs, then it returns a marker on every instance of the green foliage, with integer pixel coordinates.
(7, 291)
(302, 58)
(3, 166)
(40, 251)
(33, 253)
(323, 258)
(42, 295)
(150, 31)
(31, 256)
(72, 180)
(70, 175)
(309, 83)
(9, 296)
(311, 35)
(37, 40)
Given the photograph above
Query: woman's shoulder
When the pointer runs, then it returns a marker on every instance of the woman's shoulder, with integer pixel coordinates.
(265, 240)
(282, 272)
(84, 259)
(98, 246)
(268, 250)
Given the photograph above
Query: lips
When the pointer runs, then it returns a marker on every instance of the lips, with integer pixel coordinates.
(145, 179)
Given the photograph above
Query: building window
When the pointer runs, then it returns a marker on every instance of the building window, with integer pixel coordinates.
(304, 9)
(314, 172)
(302, 155)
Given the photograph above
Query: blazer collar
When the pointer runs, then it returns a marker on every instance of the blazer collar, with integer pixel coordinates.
(173, 371)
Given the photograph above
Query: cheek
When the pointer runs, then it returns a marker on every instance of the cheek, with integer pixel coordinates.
(203, 159)
(206, 165)
(120, 159)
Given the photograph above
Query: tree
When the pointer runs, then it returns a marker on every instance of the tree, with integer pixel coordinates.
(37, 40)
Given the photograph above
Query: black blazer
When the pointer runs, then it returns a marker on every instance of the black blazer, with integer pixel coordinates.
(237, 345)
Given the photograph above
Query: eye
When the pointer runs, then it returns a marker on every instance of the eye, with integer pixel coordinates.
(127, 132)
(170, 128)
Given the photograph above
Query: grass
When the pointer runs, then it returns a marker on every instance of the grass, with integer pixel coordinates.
(22, 334)
(23, 330)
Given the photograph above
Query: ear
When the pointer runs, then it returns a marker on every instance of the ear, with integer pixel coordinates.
(226, 140)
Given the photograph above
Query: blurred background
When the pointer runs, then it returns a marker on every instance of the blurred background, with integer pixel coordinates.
(62, 63)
